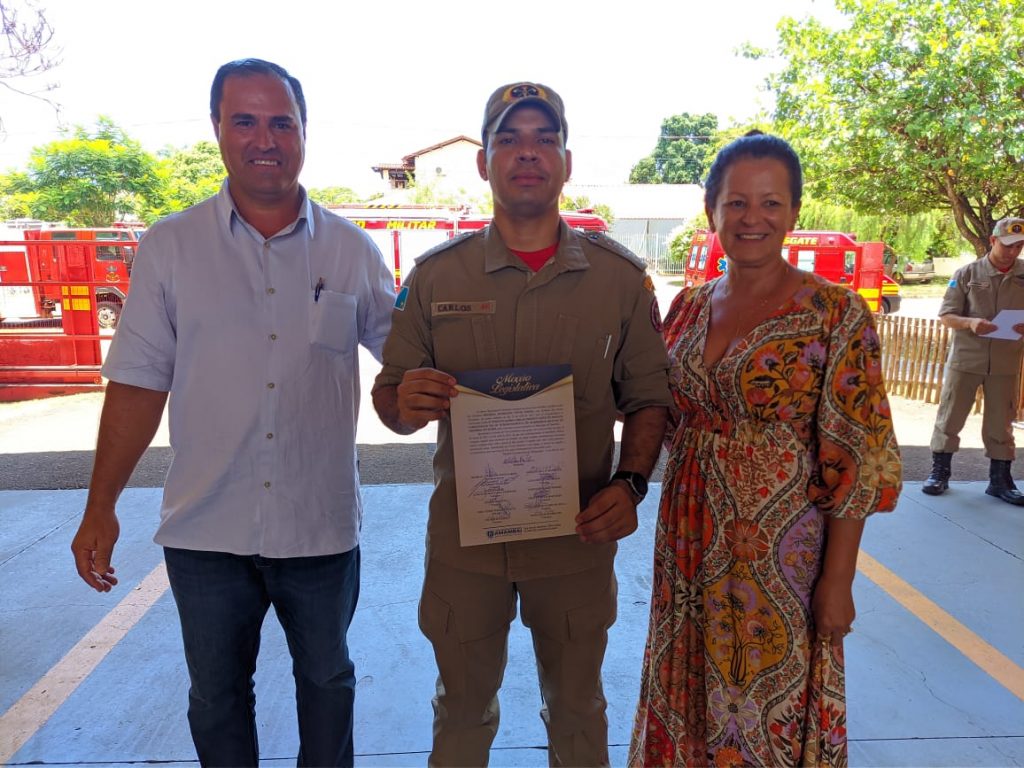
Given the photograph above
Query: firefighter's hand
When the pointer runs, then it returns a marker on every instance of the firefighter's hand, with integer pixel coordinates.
(610, 515)
(1019, 329)
(93, 546)
(424, 396)
(980, 326)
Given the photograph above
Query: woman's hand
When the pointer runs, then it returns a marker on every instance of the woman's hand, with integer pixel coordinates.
(833, 609)
(832, 602)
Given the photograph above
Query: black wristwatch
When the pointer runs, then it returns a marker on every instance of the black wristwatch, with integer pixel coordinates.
(637, 483)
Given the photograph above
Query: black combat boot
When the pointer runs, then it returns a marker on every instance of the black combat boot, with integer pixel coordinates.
(1000, 483)
(938, 481)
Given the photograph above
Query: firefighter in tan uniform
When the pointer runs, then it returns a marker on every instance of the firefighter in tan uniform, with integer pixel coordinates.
(528, 291)
(976, 294)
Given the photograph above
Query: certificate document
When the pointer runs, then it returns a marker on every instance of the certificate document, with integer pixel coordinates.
(514, 438)
(1005, 319)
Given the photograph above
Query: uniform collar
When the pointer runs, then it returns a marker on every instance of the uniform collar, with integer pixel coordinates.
(228, 214)
(568, 257)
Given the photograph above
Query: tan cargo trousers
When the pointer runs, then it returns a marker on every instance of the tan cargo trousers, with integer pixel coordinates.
(467, 616)
(958, 392)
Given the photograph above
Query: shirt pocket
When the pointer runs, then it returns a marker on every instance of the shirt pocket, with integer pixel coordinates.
(980, 299)
(1016, 291)
(333, 324)
(590, 352)
(465, 342)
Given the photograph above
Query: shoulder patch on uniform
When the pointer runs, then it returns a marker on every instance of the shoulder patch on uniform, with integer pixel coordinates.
(656, 320)
(402, 298)
(952, 283)
(602, 240)
(445, 245)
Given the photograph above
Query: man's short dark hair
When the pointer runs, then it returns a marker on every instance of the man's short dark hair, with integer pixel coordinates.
(246, 68)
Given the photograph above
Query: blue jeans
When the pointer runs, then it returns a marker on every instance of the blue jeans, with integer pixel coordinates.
(222, 600)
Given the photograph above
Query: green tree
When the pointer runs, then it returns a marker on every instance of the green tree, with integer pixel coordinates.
(645, 171)
(16, 196)
(567, 203)
(189, 176)
(911, 236)
(433, 193)
(682, 154)
(334, 195)
(93, 178)
(913, 106)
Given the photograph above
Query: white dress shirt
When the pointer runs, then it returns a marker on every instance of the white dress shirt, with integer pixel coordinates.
(262, 370)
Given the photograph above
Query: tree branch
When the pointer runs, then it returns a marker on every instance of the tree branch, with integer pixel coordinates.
(27, 50)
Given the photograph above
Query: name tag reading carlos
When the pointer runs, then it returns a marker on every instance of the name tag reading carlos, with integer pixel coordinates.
(443, 308)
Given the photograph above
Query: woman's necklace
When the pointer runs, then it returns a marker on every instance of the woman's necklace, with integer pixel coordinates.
(756, 312)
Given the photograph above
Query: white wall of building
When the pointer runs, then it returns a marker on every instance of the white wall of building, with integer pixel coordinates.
(451, 167)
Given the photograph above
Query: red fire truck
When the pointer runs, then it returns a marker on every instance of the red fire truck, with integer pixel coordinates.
(836, 256)
(59, 288)
(403, 232)
(31, 275)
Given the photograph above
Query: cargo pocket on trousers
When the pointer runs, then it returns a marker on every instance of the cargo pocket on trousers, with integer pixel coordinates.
(434, 615)
(591, 620)
(438, 619)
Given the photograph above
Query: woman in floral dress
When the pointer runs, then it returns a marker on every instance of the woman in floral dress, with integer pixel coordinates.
(782, 446)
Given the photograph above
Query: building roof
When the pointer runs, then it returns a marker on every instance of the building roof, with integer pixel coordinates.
(409, 161)
(411, 157)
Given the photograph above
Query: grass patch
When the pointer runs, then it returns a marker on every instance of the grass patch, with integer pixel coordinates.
(933, 289)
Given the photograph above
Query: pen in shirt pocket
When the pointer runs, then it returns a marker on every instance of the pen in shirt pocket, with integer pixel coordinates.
(607, 345)
(316, 291)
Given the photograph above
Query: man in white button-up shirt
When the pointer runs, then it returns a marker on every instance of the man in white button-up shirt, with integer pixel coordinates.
(248, 309)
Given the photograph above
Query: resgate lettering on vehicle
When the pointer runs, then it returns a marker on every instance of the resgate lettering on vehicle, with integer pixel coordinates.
(836, 256)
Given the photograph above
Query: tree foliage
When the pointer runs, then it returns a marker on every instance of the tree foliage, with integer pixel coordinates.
(914, 106)
(582, 202)
(912, 237)
(92, 178)
(683, 153)
(16, 196)
(334, 195)
(99, 176)
(189, 175)
(434, 192)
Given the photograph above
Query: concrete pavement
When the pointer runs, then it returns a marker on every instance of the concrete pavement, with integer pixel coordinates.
(111, 689)
(935, 666)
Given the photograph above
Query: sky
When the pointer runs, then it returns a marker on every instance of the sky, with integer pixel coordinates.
(384, 78)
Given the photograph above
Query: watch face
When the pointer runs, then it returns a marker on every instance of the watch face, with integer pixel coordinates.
(636, 481)
(639, 484)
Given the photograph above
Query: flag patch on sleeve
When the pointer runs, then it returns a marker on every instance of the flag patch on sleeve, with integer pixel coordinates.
(402, 298)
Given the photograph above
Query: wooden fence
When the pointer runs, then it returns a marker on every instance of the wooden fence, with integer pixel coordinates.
(914, 352)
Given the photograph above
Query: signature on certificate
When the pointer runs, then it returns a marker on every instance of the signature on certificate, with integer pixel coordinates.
(543, 484)
(493, 489)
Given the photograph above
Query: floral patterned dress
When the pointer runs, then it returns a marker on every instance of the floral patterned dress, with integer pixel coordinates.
(790, 427)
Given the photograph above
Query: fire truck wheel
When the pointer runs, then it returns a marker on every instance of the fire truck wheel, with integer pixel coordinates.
(108, 312)
(886, 307)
